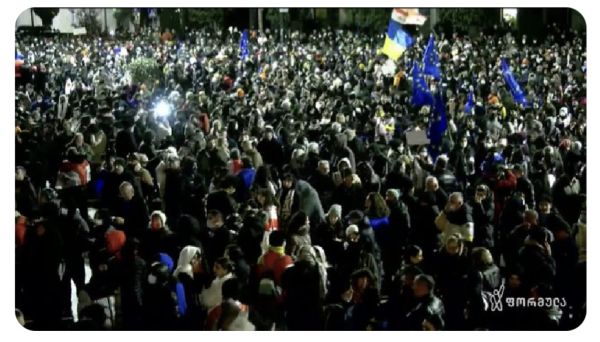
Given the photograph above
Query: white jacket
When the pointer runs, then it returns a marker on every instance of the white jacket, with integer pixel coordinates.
(448, 229)
(212, 296)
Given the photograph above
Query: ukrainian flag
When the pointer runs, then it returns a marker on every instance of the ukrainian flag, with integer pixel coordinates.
(396, 41)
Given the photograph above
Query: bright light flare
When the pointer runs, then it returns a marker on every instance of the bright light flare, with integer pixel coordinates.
(162, 109)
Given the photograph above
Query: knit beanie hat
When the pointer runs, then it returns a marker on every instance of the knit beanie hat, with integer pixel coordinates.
(352, 229)
(161, 215)
(335, 209)
(395, 193)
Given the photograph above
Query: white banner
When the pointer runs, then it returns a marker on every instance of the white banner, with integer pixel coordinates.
(79, 31)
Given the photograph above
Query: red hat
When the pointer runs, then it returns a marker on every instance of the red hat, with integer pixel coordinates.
(115, 240)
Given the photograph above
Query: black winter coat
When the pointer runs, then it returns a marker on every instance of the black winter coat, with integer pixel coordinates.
(222, 202)
(538, 267)
(483, 218)
(424, 308)
(350, 198)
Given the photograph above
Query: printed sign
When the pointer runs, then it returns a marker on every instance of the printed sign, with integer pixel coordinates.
(417, 138)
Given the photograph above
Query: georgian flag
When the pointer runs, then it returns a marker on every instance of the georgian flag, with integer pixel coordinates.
(408, 16)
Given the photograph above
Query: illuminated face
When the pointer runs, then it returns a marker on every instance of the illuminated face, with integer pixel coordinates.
(333, 218)
(514, 282)
(353, 237)
(219, 270)
(127, 193)
(324, 169)
(19, 174)
(156, 223)
(432, 185)
(545, 207)
(420, 289)
(452, 247)
(416, 259)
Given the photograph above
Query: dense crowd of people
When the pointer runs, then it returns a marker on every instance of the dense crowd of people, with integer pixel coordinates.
(279, 192)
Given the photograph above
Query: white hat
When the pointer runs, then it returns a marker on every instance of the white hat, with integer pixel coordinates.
(352, 229)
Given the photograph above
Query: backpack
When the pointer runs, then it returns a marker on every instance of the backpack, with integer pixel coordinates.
(267, 288)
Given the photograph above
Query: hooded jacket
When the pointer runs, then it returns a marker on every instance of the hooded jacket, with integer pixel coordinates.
(310, 202)
(255, 157)
(343, 151)
(177, 287)
(297, 240)
(337, 175)
(367, 234)
(246, 177)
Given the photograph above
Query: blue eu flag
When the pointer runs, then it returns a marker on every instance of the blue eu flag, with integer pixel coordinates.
(421, 95)
(244, 45)
(469, 104)
(431, 60)
(512, 84)
(437, 126)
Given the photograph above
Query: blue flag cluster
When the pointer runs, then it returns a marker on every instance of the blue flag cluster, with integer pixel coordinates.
(437, 126)
(421, 95)
(244, 45)
(513, 86)
(431, 60)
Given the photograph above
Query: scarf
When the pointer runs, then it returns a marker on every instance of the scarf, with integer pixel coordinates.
(272, 220)
(62, 108)
(286, 210)
(278, 250)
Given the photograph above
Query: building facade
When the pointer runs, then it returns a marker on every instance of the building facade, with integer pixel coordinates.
(63, 22)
